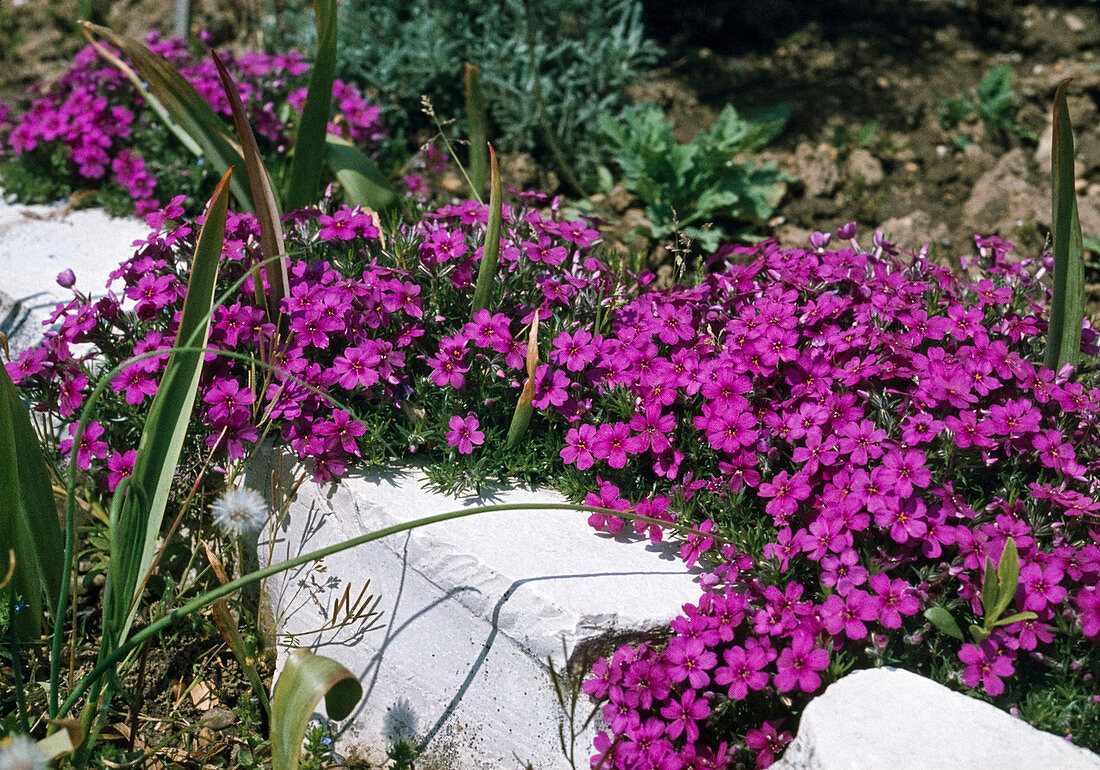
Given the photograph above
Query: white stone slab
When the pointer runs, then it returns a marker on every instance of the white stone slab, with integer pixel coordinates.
(38, 242)
(890, 718)
(471, 610)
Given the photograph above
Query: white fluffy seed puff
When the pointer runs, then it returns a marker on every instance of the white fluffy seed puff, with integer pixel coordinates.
(239, 510)
(18, 752)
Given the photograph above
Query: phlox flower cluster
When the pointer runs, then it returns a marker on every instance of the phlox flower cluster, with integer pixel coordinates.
(378, 356)
(859, 431)
(85, 127)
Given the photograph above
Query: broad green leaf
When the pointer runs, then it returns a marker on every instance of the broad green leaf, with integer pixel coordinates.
(990, 589)
(28, 515)
(1067, 307)
(363, 183)
(942, 619)
(1008, 621)
(477, 122)
(490, 253)
(263, 196)
(1008, 577)
(978, 633)
(189, 111)
(305, 679)
(138, 524)
(309, 145)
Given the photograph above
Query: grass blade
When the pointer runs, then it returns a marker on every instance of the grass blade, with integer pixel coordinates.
(309, 146)
(305, 679)
(477, 121)
(363, 182)
(490, 253)
(1067, 307)
(189, 111)
(165, 428)
(28, 515)
(263, 197)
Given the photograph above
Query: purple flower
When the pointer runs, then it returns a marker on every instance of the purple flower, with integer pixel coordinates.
(798, 665)
(684, 714)
(985, 664)
(578, 447)
(464, 433)
(90, 446)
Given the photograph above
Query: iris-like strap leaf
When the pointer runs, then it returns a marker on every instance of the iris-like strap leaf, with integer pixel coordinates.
(305, 679)
(309, 146)
(490, 252)
(28, 515)
(477, 123)
(363, 182)
(1067, 307)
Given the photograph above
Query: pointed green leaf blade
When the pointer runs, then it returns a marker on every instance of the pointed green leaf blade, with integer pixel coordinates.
(309, 146)
(477, 121)
(263, 196)
(490, 252)
(943, 620)
(1016, 618)
(305, 678)
(363, 182)
(990, 589)
(1067, 307)
(187, 108)
(165, 429)
(28, 515)
(1008, 577)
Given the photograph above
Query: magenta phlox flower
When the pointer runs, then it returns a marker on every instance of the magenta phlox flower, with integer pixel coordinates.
(552, 387)
(227, 400)
(1041, 586)
(826, 534)
(903, 470)
(578, 447)
(608, 497)
(845, 614)
(602, 676)
(742, 671)
(843, 571)
(894, 599)
(135, 381)
(968, 430)
(89, 447)
(817, 451)
(1088, 610)
(905, 520)
(861, 441)
(575, 351)
(443, 246)
(655, 507)
(684, 714)
(153, 292)
(30, 362)
(697, 543)
(767, 742)
(689, 659)
(342, 429)
(798, 664)
(611, 443)
(464, 433)
(785, 547)
(1016, 417)
(1028, 633)
(652, 428)
(119, 465)
(986, 664)
(785, 491)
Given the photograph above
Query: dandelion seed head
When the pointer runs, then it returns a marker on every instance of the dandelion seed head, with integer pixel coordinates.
(20, 752)
(239, 510)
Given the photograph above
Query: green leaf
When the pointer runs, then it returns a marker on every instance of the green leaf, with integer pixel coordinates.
(28, 515)
(309, 146)
(1008, 621)
(305, 678)
(138, 526)
(263, 196)
(1067, 306)
(490, 253)
(477, 121)
(363, 182)
(189, 111)
(978, 633)
(990, 589)
(1008, 577)
(943, 620)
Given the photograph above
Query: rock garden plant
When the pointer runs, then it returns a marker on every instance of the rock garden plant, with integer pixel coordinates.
(868, 457)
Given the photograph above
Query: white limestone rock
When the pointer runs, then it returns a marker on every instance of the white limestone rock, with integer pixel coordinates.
(890, 718)
(471, 611)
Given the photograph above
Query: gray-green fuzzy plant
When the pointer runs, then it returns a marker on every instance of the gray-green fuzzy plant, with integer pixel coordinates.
(578, 56)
